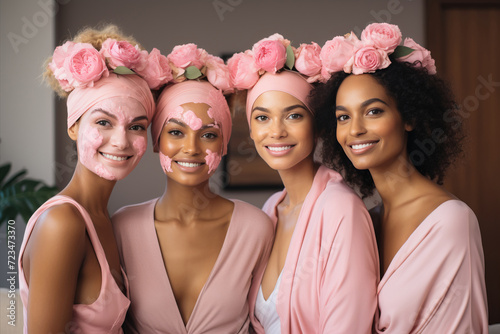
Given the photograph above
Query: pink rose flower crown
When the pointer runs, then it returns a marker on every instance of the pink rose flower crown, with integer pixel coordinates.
(273, 54)
(81, 65)
(188, 62)
(378, 46)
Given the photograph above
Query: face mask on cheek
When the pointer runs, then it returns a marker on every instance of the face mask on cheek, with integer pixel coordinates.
(166, 163)
(91, 139)
(213, 160)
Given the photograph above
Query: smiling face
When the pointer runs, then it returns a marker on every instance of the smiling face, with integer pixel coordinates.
(190, 145)
(369, 126)
(111, 137)
(282, 129)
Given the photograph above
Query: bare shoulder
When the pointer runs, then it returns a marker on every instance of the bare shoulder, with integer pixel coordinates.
(57, 242)
(61, 219)
(59, 227)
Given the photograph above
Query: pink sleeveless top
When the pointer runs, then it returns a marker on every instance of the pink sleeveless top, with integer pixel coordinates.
(107, 313)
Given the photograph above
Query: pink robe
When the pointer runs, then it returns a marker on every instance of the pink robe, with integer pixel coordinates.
(330, 276)
(223, 304)
(107, 313)
(435, 282)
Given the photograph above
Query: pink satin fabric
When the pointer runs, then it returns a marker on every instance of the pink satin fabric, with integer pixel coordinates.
(82, 99)
(287, 81)
(192, 91)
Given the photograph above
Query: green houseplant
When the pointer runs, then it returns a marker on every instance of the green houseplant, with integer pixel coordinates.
(20, 194)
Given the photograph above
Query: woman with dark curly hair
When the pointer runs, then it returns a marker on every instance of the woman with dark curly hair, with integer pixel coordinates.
(388, 123)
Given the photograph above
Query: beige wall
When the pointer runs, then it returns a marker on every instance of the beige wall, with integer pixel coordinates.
(26, 106)
(219, 26)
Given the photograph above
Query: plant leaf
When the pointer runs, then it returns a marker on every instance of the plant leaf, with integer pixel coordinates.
(13, 179)
(192, 72)
(123, 70)
(402, 51)
(4, 170)
(290, 57)
(22, 196)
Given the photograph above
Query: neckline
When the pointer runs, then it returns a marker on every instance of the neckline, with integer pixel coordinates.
(312, 195)
(275, 290)
(159, 259)
(398, 258)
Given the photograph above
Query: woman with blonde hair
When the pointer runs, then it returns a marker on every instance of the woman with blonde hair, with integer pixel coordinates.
(70, 275)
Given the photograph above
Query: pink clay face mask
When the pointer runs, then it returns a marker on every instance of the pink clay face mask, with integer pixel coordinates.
(185, 115)
(213, 160)
(191, 120)
(166, 163)
(112, 137)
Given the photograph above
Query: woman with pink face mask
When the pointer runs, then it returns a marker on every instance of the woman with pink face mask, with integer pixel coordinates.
(193, 257)
(70, 274)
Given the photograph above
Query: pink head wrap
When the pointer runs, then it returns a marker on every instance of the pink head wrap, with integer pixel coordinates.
(286, 81)
(192, 91)
(82, 99)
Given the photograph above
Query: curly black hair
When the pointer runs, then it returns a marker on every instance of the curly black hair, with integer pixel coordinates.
(425, 101)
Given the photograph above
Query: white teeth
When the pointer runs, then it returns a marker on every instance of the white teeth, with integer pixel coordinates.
(360, 146)
(280, 148)
(114, 157)
(188, 164)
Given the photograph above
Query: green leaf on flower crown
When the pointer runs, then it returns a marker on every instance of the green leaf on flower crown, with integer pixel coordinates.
(402, 51)
(123, 70)
(192, 72)
(290, 57)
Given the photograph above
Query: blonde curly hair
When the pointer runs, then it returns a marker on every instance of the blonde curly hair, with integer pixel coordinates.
(94, 36)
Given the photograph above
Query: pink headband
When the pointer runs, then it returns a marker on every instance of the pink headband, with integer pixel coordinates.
(82, 99)
(286, 81)
(191, 91)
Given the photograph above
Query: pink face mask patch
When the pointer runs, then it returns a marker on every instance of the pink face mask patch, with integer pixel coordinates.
(213, 160)
(89, 141)
(191, 120)
(166, 163)
(107, 143)
(140, 146)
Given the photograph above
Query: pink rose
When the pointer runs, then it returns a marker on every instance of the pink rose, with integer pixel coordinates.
(307, 60)
(419, 57)
(269, 54)
(218, 73)
(84, 65)
(367, 59)
(336, 53)
(243, 70)
(122, 53)
(57, 64)
(157, 71)
(278, 37)
(383, 36)
(183, 56)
